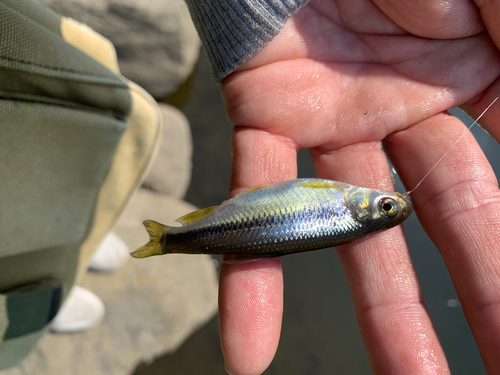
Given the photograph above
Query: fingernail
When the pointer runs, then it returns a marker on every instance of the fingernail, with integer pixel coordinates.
(227, 370)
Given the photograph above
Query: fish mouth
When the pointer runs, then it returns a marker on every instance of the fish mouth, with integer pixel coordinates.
(406, 205)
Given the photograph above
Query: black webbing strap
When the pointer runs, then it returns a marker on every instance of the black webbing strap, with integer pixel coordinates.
(29, 308)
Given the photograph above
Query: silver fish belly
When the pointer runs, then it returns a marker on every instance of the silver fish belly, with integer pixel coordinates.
(281, 218)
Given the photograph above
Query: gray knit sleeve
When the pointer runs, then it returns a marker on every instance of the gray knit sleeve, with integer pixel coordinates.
(233, 30)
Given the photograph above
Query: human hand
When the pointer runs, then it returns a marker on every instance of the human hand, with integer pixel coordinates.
(344, 78)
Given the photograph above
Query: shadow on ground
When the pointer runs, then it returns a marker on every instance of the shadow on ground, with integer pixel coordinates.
(200, 354)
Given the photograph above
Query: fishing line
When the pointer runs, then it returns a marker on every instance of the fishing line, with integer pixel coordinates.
(453, 145)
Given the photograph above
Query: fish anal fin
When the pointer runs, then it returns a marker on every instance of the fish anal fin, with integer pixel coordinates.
(195, 216)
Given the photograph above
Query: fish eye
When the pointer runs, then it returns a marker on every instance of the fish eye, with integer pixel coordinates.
(388, 207)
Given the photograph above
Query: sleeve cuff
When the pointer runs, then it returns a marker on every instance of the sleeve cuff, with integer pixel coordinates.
(233, 30)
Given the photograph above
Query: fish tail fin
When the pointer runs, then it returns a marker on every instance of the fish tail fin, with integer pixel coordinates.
(153, 247)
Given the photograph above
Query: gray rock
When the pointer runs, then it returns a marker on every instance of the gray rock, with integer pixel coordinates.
(170, 172)
(156, 42)
(152, 304)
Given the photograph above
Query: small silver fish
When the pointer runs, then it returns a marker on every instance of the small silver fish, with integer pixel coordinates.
(282, 218)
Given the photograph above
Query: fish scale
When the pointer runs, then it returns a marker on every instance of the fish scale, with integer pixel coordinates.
(278, 219)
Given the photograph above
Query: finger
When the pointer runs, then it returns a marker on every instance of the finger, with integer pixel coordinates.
(458, 205)
(250, 313)
(397, 331)
(489, 120)
(490, 12)
(438, 19)
(251, 294)
(261, 158)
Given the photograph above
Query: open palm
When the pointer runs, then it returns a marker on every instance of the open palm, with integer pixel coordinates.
(344, 78)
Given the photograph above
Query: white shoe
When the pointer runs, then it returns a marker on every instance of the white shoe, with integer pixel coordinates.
(81, 311)
(110, 255)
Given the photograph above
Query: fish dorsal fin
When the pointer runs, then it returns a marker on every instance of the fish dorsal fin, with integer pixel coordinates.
(195, 216)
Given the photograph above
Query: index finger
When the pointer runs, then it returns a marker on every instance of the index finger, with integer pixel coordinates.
(251, 294)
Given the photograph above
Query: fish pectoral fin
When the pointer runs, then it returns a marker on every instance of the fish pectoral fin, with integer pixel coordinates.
(195, 216)
(153, 247)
